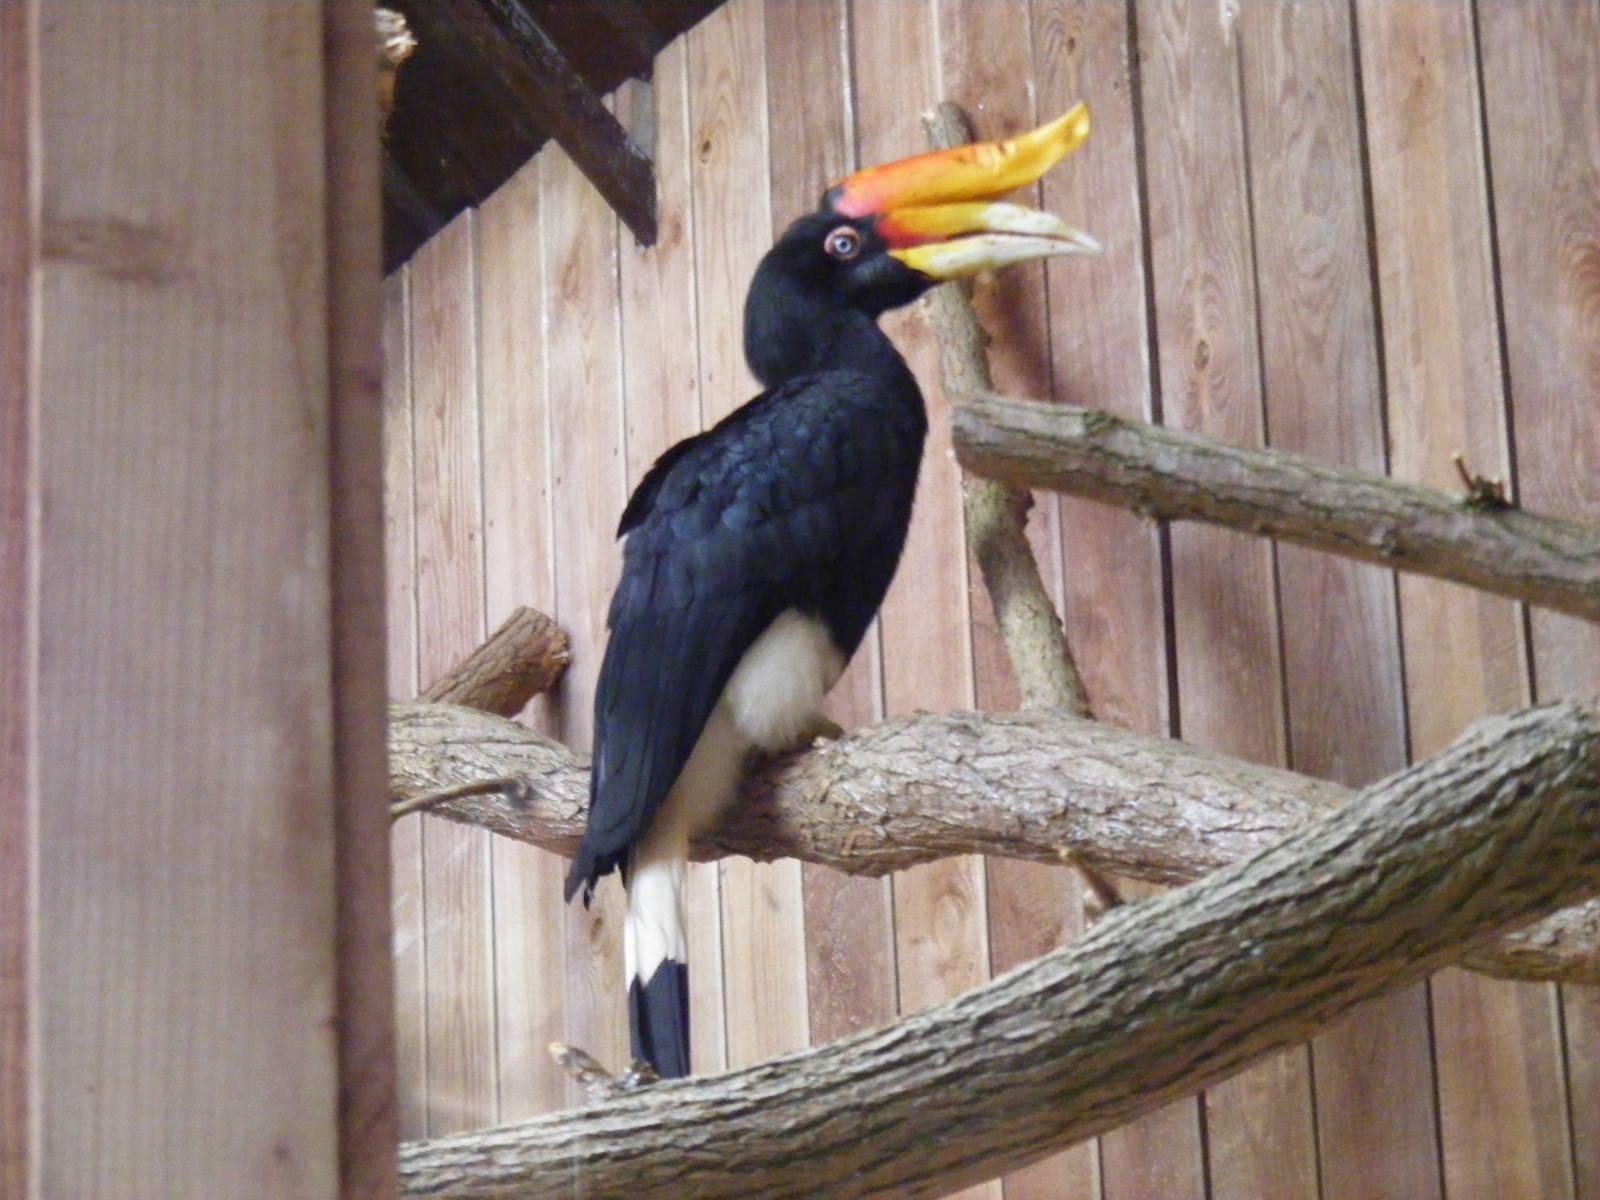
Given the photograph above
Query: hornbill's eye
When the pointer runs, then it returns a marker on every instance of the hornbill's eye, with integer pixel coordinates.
(844, 243)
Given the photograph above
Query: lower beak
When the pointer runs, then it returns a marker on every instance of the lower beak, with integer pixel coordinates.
(950, 241)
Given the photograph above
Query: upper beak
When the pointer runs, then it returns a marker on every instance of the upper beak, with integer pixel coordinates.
(936, 210)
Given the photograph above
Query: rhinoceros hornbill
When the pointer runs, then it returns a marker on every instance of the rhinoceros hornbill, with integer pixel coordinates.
(757, 552)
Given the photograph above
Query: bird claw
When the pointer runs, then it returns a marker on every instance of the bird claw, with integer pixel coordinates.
(598, 1083)
(638, 1075)
(820, 729)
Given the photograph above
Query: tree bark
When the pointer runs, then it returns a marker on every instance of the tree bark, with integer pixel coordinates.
(525, 656)
(996, 513)
(1176, 475)
(1159, 998)
(1038, 785)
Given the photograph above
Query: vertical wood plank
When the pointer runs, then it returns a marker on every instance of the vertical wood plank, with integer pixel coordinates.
(661, 384)
(1581, 1010)
(205, 446)
(588, 489)
(1259, 1125)
(848, 920)
(530, 947)
(940, 910)
(458, 921)
(1501, 1107)
(353, 215)
(18, 598)
(405, 841)
(763, 913)
(1541, 76)
(987, 67)
(1375, 1110)
(1115, 606)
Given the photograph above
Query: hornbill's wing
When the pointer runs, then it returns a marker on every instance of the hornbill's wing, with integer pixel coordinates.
(726, 531)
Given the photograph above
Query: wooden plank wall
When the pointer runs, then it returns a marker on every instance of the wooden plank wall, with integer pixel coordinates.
(1367, 232)
(195, 991)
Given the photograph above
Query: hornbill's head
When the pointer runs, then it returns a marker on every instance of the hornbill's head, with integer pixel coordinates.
(885, 235)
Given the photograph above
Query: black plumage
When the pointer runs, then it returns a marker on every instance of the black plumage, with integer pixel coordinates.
(800, 499)
(758, 551)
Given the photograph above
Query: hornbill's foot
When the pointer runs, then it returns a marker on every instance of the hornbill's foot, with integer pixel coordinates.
(598, 1083)
(819, 729)
(638, 1075)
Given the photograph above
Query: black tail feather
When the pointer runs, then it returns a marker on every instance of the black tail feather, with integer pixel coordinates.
(658, 1019)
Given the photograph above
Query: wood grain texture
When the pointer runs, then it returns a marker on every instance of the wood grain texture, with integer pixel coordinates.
(763, 906)
(588, 487)
(1541, 69)
(519, 569)
(458, 925)
(1373, 1070)
(407, 897)
(662, 403)
(524, 657)
(1178, 475)
(1432, 262)
(1226, 620)
(1177, 992)
(1031, 910)
(985, 68)
(1115, 607)
(1501, 1106)
(940, 910)
(18, 607)
(1023, 786)
(850, 968)
(187, 380)
(368, 1117)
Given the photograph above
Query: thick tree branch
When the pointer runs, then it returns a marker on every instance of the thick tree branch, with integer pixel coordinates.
(525, 656)
(997, 514)
(1037, 785)
(1160, 998)
(1169, 473)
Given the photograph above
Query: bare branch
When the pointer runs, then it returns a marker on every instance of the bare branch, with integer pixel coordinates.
(525, 656)
(1037, 785)
(997, 515)
(1169, 473)
(1160, 998)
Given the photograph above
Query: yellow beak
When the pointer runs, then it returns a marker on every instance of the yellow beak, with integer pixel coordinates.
(936, 210)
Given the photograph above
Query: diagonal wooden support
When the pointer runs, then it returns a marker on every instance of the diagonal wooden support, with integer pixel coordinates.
(1160, 998)
(566, 106)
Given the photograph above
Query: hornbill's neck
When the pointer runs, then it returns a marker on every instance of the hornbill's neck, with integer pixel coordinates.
(793, 328)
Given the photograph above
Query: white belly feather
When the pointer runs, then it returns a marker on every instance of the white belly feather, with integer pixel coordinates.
(773, 695)
(778, 686)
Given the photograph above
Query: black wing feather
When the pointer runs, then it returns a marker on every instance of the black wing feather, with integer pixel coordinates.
(725, 532)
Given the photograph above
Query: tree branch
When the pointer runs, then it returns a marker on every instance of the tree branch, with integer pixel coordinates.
(1169, 473)
(1036, 785)
(1172, 994)
(525, 656)
(997, 514)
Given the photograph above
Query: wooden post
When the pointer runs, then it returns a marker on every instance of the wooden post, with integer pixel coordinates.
(193, 746)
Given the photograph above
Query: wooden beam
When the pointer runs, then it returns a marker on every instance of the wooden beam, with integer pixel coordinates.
(513, 54)
(576, 118)
(208, 925)
(632, 27)
(18, 608)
